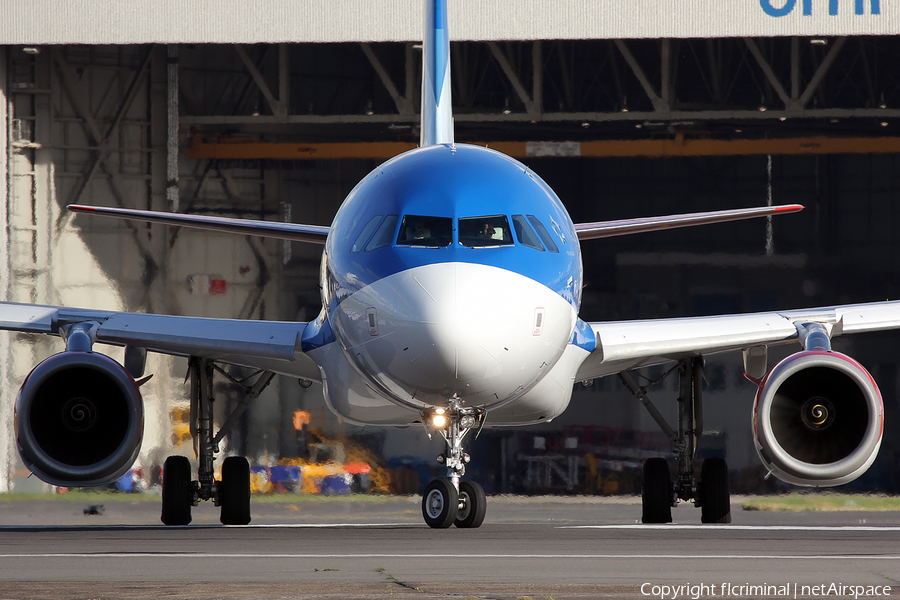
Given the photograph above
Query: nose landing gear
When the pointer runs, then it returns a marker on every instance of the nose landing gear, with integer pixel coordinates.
(448, 501)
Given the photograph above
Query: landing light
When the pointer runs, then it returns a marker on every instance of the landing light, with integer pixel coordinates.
(439, 421)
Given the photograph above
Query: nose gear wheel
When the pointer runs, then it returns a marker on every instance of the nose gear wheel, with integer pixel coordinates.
(472, 505)
(440, 504)
(448, 501)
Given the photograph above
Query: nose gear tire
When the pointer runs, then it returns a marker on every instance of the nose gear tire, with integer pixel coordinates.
(440, 504)
(472, 505)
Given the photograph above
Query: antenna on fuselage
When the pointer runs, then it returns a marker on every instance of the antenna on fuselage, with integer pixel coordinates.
(437, 112)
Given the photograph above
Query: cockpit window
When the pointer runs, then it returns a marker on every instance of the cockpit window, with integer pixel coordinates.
(418, 230)
(545, 235)
(365, 233)
(385, 233)
(478, 232)
(525, 233)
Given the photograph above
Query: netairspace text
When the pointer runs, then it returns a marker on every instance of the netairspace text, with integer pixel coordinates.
(786, 590)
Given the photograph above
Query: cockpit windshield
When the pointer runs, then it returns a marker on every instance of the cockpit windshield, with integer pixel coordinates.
(418, 230)
(478, 232)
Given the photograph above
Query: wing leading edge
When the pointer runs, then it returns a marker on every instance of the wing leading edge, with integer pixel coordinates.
(604, 229)
(315, 234)
(623, 345)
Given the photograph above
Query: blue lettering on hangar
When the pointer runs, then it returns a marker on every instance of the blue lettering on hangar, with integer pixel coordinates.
(775, 11)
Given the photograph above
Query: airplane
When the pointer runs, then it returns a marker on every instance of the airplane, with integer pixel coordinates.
(451, 281)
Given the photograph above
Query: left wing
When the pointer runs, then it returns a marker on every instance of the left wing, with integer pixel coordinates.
(623, 345)
(315, 234)
(272, 345)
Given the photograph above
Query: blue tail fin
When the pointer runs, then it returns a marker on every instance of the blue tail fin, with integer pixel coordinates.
(437, 112)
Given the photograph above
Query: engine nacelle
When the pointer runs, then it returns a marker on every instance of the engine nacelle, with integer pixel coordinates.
(818, 419)
(79, 419)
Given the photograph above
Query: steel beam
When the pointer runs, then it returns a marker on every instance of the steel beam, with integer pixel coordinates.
(537, 77)
(530, 106)
(720, 89)
(404, 104)
(667, 81)
(172, 127)
(659, 104)
(101, 141)
(555, 117)
(770, 75)
(278, 107)
(822, 70)
(117, 186)
(676, 146)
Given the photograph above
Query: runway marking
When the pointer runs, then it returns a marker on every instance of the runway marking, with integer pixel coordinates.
(638, 527)
(181, 555)
(210, 526)
(324, 525)
(725, 527)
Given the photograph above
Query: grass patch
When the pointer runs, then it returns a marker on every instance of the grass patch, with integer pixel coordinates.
(823, 502)
(91, 496)
(102, 495)
(320, 498)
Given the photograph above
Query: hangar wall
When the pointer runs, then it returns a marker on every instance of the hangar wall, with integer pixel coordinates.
(89, 123)
(323, 21)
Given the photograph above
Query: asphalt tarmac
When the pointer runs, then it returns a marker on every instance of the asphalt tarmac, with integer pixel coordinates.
(538, 548)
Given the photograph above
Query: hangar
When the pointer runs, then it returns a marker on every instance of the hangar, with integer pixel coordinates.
(625, 108)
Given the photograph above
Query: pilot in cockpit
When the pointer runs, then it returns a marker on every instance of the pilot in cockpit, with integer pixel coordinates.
(419, 231)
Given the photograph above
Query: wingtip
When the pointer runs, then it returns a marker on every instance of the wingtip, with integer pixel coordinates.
(789, 208)
(79, 208)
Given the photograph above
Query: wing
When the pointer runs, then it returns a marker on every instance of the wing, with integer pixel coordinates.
(315, 234)
(625, 345)
(602, 229)
(272, 345)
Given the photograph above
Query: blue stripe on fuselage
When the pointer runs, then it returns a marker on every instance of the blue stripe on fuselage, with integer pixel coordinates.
(453, 182)
(583, 336)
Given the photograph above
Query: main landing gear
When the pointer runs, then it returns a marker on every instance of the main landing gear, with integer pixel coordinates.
(232, 493)
(449, 501)
(659, 493)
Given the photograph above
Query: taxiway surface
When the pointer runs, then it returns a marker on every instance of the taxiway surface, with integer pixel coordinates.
(535, 547)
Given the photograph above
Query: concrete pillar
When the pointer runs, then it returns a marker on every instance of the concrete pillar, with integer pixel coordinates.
(7, 439)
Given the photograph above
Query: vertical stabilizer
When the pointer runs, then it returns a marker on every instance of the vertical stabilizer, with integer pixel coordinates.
(437, 113)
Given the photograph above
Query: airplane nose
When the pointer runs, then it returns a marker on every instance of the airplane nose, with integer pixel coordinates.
(479, 332)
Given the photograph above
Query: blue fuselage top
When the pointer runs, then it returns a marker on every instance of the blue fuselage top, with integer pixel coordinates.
(448, 191)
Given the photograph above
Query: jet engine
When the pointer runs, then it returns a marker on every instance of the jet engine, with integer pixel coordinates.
(79, 419)
(818, 419)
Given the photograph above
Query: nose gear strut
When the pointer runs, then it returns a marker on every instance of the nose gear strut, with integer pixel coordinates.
(448, 501)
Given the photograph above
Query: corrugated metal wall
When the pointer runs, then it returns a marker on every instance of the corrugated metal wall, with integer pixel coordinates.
(268, 21)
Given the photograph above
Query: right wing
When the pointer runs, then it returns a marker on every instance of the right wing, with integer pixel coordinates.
(271, 345)
(604, 229)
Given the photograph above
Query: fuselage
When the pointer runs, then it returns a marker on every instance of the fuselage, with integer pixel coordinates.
(451, 270)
